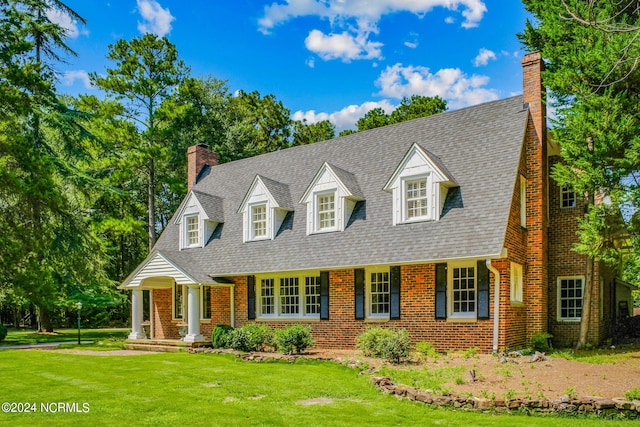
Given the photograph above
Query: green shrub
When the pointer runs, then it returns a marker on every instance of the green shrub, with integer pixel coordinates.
(389, 344)
(633, 394)
(250, 337)
(294, 337)
(220, 336)
(3, 332)
(425, 350)
(541, 341)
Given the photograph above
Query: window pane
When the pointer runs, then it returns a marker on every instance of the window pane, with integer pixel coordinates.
(259, 220)
(193, 230)
(570, 298)
(464, 287)
(267, 296)
(289, 296)
(380, 293)
(312, 295)
(326, 211)
(416, 197)
(178, 301)
(206, 302)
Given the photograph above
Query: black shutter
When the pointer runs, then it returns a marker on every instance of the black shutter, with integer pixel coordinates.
(324, 295)
(358, 279)
(251, 297)
(441, 291)
(394, 293)
(483, 290)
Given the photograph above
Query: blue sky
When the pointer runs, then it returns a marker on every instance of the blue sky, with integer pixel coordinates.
(324, 59)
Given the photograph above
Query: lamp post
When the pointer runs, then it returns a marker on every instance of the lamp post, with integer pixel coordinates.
(79, 305)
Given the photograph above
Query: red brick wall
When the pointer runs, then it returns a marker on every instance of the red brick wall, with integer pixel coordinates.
(198, 156)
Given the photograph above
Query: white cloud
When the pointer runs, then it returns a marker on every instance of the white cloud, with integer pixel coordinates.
(342, 46)
(452, 84)
(449, 20)
(483, 57)
(411, 45)
(65, 21)
(371, 11)
(345, 118)
(156, 19)
(70, 77)
(359, 20)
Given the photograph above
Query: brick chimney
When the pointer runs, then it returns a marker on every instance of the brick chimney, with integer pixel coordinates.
(198, 156)
(537, 293)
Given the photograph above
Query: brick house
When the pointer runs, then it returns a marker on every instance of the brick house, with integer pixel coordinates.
(447, 226)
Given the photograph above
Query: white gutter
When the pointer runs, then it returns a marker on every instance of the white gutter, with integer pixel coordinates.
(496, 303)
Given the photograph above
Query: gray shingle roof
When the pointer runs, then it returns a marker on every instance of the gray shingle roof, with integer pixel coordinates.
(279, 191)
(480, 146)
(212, 205)
(349, 180)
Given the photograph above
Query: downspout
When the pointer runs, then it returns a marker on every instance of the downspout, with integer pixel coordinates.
(496, 303)
(232, 298)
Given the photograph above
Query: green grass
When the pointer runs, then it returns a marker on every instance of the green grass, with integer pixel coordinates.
(604, 355)
(210, 389)
(29, 336)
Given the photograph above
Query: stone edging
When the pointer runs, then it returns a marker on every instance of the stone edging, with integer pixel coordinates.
(589, 405)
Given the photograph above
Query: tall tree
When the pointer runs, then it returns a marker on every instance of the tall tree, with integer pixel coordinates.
(147, 71)
(593, 77)
(409, 108)
(307, 133)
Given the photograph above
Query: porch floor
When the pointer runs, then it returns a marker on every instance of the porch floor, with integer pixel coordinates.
(163, 345)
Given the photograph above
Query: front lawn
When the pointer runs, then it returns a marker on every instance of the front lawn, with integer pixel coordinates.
(210, 389)
(29, 336)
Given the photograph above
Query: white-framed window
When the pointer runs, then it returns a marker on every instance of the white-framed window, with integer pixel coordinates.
(462, 290)
(570, 293)
(523, 201)
(378, 292)
(295, 295)
(179, 302)
(516, 283)
(567, 197)
(415, 194)
(326, 211)
(258, 221)
(192, 230)
(205, 303)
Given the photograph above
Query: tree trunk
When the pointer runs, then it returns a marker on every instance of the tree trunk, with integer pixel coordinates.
(585, 320)
(44, 319)
(152, 204)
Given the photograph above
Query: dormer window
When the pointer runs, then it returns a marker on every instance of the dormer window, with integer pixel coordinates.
(192, 233)
(416, 199)
(259, 221)
(198, 217)
(326, 212)
(419, 186)
(264, 209)
(330, 198)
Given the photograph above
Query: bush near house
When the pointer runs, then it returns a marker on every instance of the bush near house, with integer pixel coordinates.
(250, 337)
(3, 332)
(390, 344)
(541, 341)
(294, 337)
(220, 336)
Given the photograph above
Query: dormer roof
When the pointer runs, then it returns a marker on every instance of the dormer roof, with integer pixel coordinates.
(346, 180)
(277, 192)
(424, 160)
(209, 206)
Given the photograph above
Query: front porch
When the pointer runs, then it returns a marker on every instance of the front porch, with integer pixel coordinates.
(163, 345)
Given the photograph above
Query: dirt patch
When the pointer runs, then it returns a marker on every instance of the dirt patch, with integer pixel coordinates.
(516, 376)
(316, 401)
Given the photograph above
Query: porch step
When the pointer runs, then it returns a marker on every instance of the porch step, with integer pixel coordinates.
(156, 347)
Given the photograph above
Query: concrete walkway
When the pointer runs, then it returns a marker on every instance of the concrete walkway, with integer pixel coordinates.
(40, 345)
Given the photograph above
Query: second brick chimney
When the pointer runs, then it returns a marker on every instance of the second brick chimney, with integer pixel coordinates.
(199, 156)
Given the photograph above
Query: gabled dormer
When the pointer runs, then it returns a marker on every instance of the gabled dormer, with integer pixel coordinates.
(201, 213)
(419, 186)
(264, 208)
(330, 199)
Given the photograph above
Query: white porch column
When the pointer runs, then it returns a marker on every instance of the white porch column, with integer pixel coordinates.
(136, 316)
(193, 314)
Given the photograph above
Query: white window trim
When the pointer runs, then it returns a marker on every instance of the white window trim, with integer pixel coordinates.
(316, 211)
(466, 315)
(202, 288)
(185, 231)
(276, 315)
(517, 283)
(565, 190)
(368, 297)
(404, 199)
(559, 299)
(184, 303)
(523, 201)
(252, 237)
